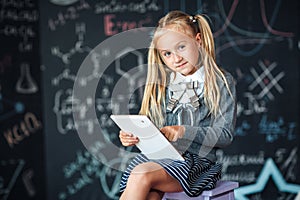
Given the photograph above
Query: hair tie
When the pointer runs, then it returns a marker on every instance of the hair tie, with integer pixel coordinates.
(193, 19)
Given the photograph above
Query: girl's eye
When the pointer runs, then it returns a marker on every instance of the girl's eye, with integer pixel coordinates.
(181, 47)
(167, 54)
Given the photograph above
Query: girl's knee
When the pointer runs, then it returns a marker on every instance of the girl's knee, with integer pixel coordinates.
(139, 176)
(143, 174)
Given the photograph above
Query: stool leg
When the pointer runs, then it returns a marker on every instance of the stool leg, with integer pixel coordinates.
(231, 195)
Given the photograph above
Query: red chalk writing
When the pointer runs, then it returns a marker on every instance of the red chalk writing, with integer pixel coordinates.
(113, 25)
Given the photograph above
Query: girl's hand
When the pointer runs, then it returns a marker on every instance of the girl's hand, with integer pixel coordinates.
(172, 133)
(128, 139)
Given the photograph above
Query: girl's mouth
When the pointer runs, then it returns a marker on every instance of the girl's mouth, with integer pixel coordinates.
(179, 66)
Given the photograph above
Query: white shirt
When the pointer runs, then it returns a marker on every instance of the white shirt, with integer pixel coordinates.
(179, 82)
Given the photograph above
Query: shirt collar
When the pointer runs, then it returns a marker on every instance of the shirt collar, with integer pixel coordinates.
(196, 76)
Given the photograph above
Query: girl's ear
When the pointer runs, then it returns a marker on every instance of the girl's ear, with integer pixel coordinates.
(198, 38)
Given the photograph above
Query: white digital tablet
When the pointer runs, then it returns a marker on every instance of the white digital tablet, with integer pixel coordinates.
(152, 142)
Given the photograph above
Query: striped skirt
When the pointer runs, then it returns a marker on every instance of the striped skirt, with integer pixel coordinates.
(195, 174)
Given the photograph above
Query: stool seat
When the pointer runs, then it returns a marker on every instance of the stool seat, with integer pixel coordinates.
(224, 190)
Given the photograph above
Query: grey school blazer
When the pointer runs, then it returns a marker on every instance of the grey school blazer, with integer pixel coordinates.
(205, 133)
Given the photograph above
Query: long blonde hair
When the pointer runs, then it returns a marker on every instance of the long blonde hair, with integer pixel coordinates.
(153, 104)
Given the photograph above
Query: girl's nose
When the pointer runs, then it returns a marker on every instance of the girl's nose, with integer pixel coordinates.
(177, 58)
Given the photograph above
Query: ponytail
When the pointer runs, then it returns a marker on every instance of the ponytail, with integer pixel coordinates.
(207, 38)
(212, 91)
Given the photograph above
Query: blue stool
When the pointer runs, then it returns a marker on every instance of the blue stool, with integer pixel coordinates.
(224, 190)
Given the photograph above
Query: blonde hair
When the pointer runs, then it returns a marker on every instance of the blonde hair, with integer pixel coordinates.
(153, 104)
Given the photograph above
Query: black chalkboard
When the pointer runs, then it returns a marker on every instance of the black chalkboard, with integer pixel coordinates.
(22, 168)
(51, 147)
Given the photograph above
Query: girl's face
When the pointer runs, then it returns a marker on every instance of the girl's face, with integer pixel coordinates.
(179, 51)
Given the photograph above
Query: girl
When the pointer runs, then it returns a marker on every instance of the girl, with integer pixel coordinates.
(192, 100)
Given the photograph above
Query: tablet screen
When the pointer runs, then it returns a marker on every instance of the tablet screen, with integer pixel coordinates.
(152, 142)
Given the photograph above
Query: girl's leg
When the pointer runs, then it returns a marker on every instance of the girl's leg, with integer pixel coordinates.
(147, 177)
(155, 195)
